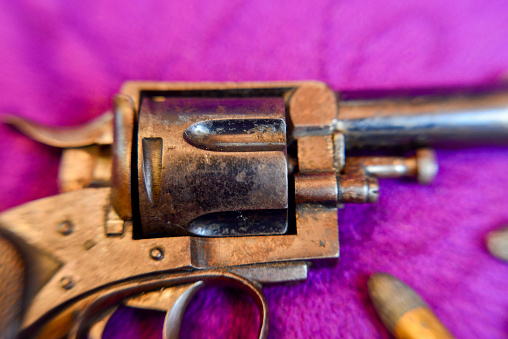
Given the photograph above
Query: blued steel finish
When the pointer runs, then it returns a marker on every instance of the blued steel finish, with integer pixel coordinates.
(192, 149)
(436, 121)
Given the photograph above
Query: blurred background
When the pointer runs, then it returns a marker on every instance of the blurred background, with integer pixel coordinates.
(62, 61)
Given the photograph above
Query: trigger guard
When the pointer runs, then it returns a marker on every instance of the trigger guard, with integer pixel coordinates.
(97, 309)
(174, 315)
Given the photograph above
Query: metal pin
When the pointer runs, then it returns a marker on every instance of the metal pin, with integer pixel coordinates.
(65, 228)
(67, 283)
(402, 311)
(497, 243)
(156, 253)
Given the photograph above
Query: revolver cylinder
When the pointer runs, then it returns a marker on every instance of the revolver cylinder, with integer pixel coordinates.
(232, 145)
(212, 166)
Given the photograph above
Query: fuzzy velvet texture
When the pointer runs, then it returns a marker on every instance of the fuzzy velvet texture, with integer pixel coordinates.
(62, 61)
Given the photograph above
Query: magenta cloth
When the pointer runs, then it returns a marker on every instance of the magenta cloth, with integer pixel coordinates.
(62, 61)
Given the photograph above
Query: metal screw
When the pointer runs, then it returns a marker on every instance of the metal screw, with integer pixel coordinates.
(157, 253)
(67, 283)
(65, 228)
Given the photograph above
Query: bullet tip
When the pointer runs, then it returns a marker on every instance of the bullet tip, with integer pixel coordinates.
(392, 298)
(497, 243)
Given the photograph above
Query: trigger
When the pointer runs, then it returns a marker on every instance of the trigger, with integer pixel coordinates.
(97, 330)
(172, 300)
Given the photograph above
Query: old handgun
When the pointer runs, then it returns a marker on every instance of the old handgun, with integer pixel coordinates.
(187, 184)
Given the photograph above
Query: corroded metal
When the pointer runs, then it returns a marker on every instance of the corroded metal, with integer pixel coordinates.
(316, 188)
(233, 149)
(98, 131)
(235, 183)
(121, 186)
(358, 182)
(88, 166)
(176, 302)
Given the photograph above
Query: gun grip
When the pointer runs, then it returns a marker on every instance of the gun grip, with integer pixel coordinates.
(12, 282)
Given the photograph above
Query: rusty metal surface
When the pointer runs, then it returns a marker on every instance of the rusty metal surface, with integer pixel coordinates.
(173, 301)
(125, 118)
(318, 188)
(358, 180)
(286, 272)
(101, 305)
(88, 166)
(98, 131)
(12, 282)
(422, 166)
(95, 247)
(76, 168)
(357, 188)
(314, 110)
(231, 149)
(86, 158)
(223, 182)
(315, 154)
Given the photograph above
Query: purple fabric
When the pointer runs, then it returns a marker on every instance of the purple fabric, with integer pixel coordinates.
(62, 61)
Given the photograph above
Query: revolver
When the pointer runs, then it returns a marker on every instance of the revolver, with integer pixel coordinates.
(186, 184)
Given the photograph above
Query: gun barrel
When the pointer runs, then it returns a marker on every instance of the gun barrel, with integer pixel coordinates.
(437, 121)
